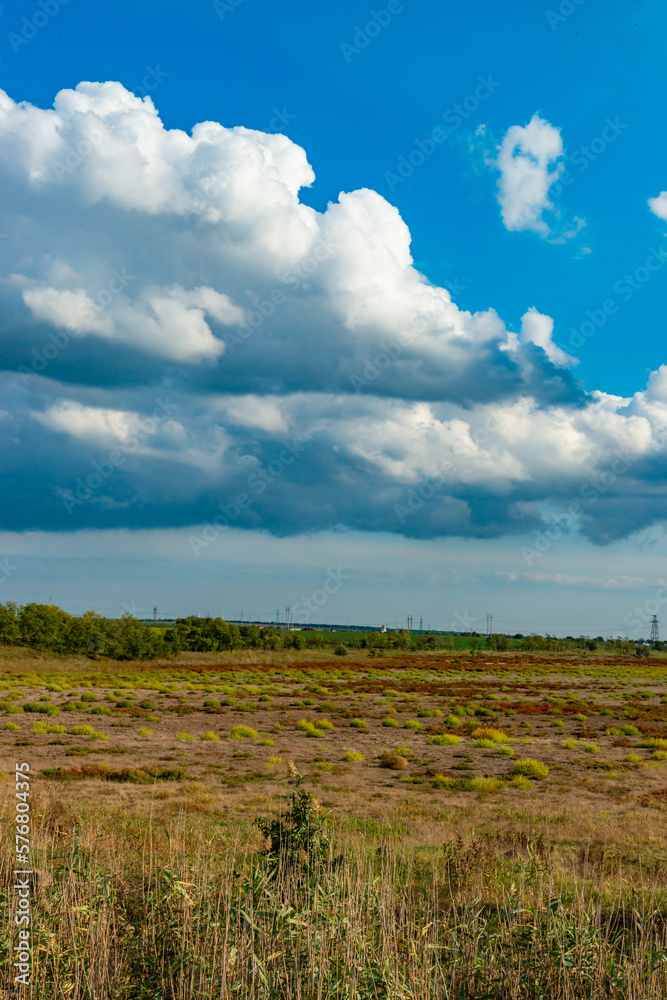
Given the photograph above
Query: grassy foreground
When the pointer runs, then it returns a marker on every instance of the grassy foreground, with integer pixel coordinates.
(435, 874)
(127, 907)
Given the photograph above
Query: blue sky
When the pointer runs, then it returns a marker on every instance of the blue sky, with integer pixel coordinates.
(514, 349)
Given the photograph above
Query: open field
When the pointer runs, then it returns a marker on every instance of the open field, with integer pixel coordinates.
(500, 818)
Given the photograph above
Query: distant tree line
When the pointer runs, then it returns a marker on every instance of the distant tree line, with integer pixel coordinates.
(46, 627)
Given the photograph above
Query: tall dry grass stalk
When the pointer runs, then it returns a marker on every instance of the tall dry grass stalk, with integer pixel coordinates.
(133, 908)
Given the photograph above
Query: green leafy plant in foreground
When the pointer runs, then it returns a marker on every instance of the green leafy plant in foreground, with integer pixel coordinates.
(296, 840)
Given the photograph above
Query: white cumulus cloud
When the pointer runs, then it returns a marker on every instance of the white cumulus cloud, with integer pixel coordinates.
(305, 362)
(528, 164)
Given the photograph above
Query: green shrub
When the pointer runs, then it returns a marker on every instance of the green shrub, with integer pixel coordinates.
(100, 710)
(358, 724)
(340, 650)
(485, 785)
(569, 744)
(307, 727)
(39, 728)
(591, 748)
(148, 705)
(12, 727)
(529, 768)
(391, 723)
(185, 737)
(353, 755)
(143, 731)
(243, 733)
(413, 724)
(445, 740)
(82, 731)
(210, 736)
(304, 725)
(442, 781)
(495, 735)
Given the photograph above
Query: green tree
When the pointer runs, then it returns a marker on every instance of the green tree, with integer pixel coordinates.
(9, 626)
(130, 639)
(44, 626)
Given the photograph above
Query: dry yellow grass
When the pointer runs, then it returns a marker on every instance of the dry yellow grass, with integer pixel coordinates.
(145, 872)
